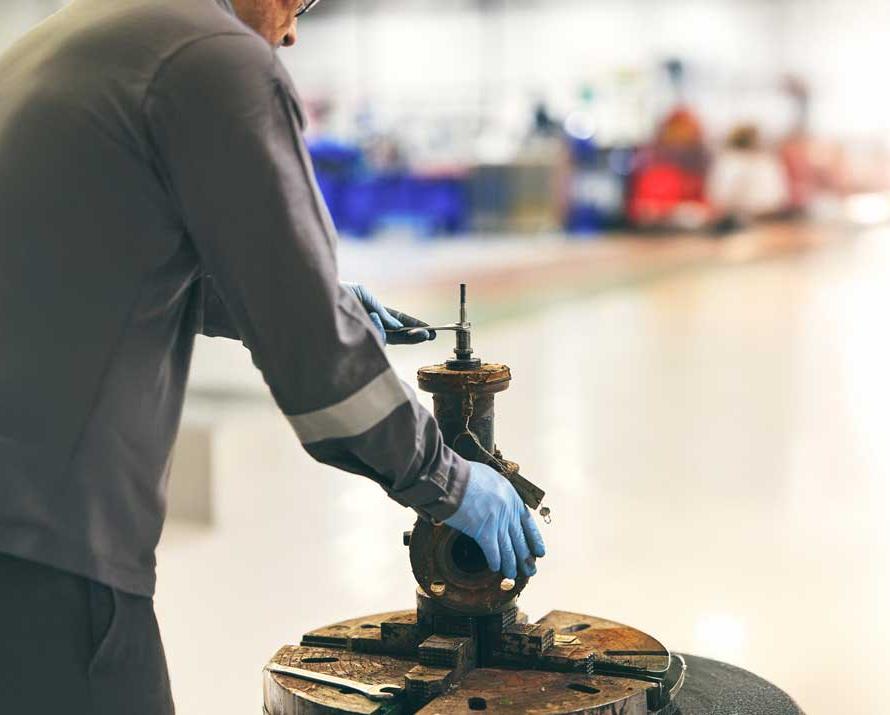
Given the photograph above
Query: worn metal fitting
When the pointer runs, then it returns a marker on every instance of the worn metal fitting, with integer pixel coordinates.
(451, 567)
(437, 588)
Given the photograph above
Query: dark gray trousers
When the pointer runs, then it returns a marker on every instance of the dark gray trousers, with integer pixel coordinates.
(71, 645)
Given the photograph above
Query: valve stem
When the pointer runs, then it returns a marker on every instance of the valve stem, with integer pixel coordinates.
(463, 350)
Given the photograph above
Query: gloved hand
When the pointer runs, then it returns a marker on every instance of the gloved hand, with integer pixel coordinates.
(493, 514)
(387, 319)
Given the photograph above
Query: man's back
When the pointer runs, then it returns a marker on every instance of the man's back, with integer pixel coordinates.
(96, 277)
(146, 144)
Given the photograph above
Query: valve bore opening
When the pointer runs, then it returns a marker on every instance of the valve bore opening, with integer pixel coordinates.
(477, 704)
(467, 555)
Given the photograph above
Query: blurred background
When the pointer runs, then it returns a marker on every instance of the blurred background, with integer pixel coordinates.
(672, 217)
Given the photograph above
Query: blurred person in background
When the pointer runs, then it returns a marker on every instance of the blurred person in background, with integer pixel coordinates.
(155, 185)
(746, 182)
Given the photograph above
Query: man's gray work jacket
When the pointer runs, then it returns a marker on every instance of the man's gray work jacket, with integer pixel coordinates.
(144, 146)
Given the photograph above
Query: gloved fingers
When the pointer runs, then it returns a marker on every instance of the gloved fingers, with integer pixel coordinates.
(409, 321)
(508, 555)
(389, 322)
(378, 325)
(524, 557)
(372, 305)
(532, 534)
(489, 545)
(409, 337)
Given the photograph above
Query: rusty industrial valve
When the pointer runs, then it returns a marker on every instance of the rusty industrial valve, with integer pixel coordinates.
(448, 565)
(467, 645)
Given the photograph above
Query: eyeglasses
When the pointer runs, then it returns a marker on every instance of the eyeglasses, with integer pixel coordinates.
(305, 7)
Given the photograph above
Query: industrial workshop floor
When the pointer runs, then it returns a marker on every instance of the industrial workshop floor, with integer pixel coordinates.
(714, 445)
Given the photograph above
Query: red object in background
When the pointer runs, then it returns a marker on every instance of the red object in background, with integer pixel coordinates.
(659, 189)
(671, 174)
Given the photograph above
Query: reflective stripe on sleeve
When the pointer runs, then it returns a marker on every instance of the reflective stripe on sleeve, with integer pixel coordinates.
(356, 414)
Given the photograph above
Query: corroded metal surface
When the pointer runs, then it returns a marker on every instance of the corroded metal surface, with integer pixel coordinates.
(445, 659)
(447, 565)
(286, 695)
(441, 555)
(338, 634)
(586, 639)
(489, 378)
(508, 692)
(394, 633)
(463, 402)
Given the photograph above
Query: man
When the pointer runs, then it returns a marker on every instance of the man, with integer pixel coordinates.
(154, 183)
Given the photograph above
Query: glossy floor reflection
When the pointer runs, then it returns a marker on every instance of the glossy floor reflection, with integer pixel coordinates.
(714, 447)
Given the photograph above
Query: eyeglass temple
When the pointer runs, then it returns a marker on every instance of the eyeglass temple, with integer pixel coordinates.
(307, 6)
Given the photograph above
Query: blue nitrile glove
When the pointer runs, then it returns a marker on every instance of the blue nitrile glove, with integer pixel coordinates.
(493, 514)
(388, 319)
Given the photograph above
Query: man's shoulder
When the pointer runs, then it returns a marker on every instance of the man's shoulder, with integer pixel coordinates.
(169, 27)
(235, 64)
(138, 36)
(179, 22)
(152, 43)
(197, 36)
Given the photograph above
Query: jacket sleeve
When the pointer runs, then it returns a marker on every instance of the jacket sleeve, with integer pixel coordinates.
(215, 320)
(225, 129)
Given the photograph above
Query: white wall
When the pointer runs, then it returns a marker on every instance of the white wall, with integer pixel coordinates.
(430, 58)
(844, 46)
(423, 59)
